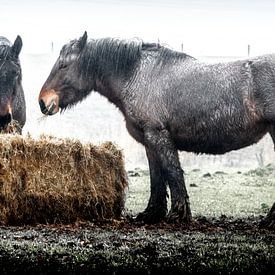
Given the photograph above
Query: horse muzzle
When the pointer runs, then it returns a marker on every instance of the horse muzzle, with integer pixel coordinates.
(5, 120)
(5, 116)
(49, 102)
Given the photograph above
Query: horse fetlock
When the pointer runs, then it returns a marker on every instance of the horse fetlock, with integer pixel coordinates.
(180, 212)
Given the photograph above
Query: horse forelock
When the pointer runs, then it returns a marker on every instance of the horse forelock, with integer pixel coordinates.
(68, 57)
(69, 51)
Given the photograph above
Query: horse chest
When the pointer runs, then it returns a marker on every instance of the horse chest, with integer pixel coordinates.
(135, 131)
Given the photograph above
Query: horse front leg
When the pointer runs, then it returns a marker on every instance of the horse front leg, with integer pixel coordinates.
(157, 205)
(159, 142)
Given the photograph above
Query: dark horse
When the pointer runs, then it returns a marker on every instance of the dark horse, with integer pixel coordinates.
(170, 102)
(12, 99)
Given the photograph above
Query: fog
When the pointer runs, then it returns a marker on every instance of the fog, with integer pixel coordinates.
(209, 30)
(211, 27)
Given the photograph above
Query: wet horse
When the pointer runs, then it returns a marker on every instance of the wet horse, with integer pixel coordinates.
(170, 102)
(12, 99)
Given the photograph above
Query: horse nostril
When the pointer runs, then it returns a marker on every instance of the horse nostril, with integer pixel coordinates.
(43, 107)
(42, 104)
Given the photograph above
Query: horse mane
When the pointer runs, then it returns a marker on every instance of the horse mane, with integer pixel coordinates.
(113, 54)
(122, 56)
(166, 55)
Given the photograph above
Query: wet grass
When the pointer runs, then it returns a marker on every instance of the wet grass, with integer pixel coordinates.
(212, 194)
(223, 239)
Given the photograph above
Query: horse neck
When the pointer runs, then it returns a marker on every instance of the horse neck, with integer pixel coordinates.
(111, 72)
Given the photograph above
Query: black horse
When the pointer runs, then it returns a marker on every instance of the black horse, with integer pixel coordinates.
(170, 102)
(12, 99)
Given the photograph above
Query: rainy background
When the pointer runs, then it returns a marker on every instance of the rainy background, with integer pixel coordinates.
(213, 31)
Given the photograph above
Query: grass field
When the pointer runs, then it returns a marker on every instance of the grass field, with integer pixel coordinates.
(212, 194)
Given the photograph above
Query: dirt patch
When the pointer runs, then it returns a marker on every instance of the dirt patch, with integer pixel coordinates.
(218, 246)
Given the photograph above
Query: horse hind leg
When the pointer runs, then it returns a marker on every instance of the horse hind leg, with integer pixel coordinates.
(180, 206)
(272, 134)
(269, 220)
(159, 141)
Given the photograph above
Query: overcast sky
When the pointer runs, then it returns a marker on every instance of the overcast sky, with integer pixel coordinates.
(203, 27)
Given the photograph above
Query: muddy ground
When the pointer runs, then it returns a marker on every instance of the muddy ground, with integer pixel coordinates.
(224, 237)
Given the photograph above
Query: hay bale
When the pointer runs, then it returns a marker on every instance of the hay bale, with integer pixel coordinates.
(53, 180)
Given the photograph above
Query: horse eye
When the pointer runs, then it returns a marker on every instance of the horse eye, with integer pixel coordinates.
(62, 65)
(15, 73)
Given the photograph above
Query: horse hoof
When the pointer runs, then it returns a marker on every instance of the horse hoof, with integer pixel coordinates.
(178, 217)
(150, 217)
(269, 221)
(267, 224)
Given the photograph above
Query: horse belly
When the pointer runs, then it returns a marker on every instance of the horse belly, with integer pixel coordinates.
(214, 141)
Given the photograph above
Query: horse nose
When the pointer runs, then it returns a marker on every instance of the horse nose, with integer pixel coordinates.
(5, 120)
(48, 110)
(48, 102)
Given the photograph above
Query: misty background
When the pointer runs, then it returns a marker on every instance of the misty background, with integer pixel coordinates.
(212, 31)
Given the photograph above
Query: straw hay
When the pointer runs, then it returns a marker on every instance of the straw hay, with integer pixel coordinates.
(12, 128)
(59, 180)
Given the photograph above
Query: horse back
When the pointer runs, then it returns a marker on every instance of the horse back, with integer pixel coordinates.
(209, 108)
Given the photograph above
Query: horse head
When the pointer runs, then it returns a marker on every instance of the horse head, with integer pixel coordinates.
(64, 87)
(10, 77)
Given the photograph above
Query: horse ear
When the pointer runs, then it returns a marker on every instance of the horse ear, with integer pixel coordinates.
(17, 46)
(82, 41)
